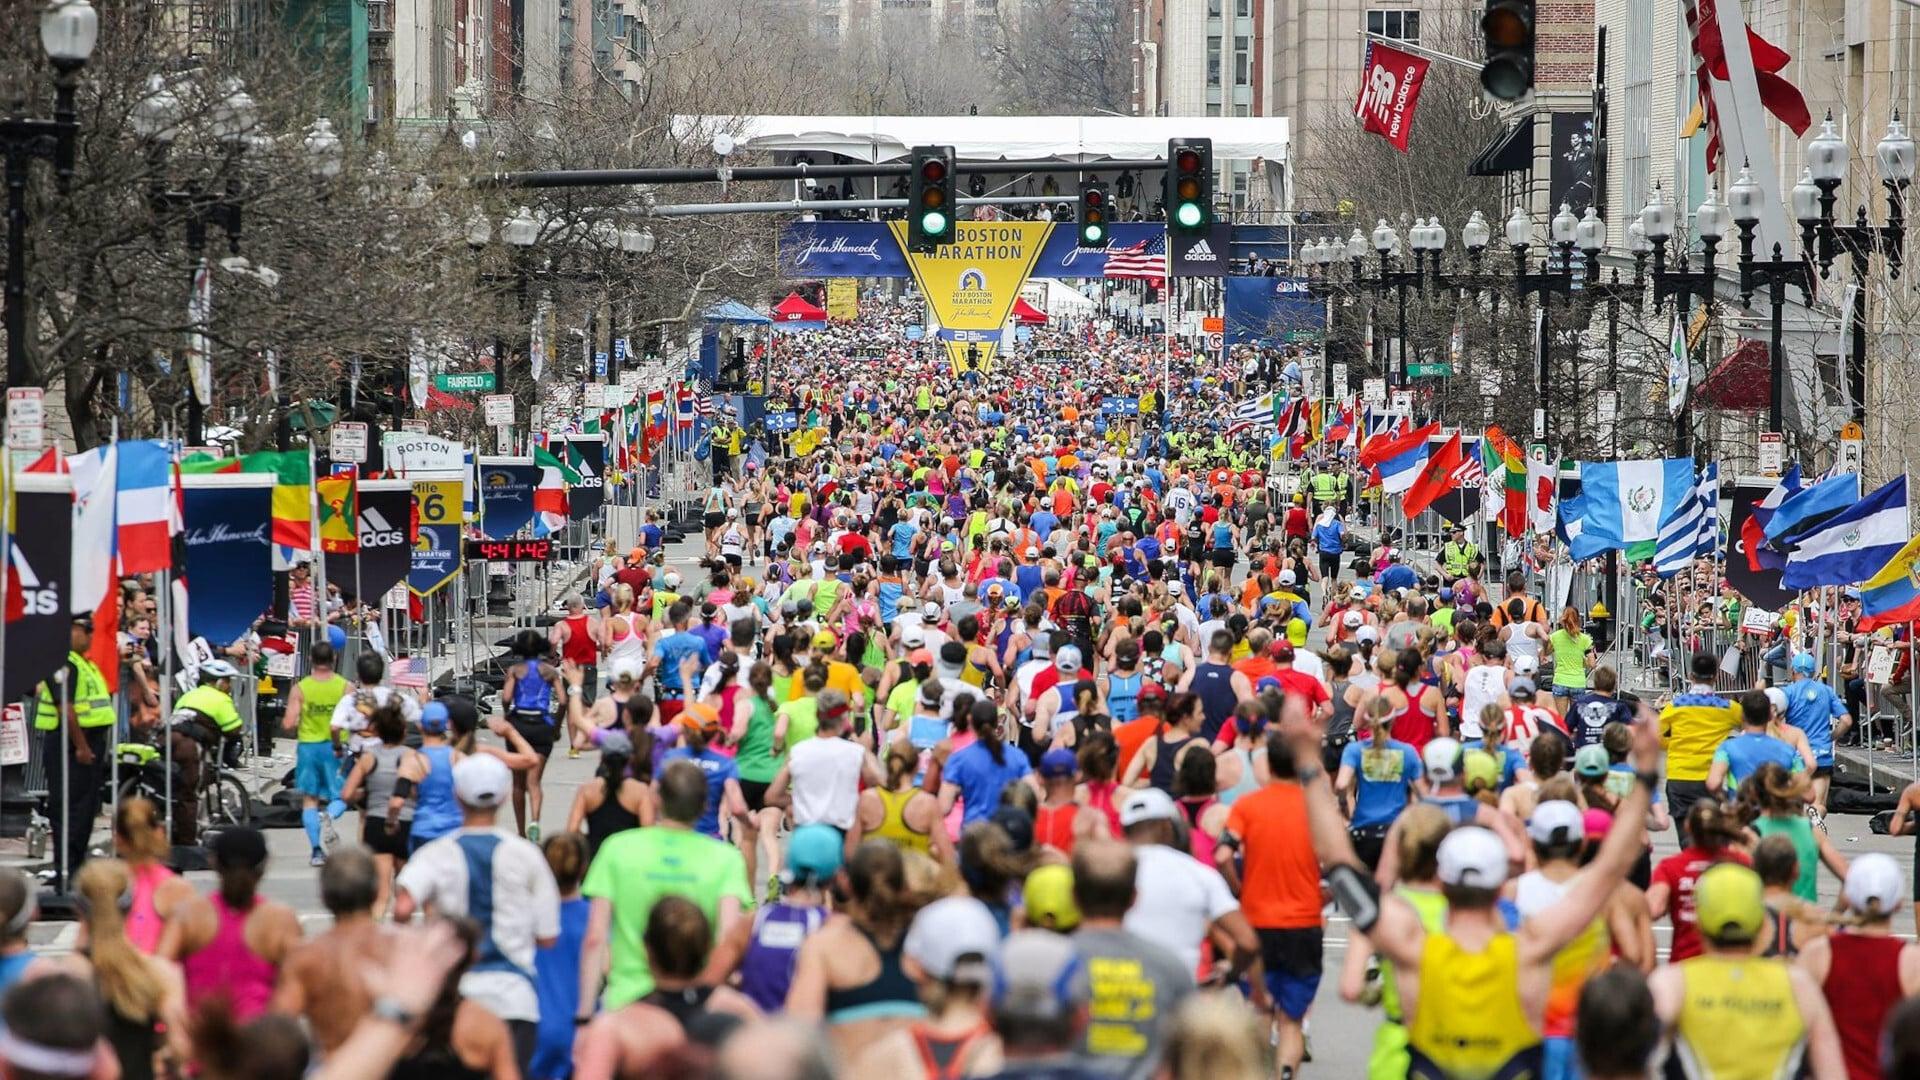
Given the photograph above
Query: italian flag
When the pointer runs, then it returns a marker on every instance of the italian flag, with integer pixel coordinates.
(1500, 453)
(550, 494)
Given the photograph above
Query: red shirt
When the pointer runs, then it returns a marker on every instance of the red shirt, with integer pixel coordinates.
(1303, 685)
(1680, 871)
(1297, 521)
(853, 543)
(634, 578)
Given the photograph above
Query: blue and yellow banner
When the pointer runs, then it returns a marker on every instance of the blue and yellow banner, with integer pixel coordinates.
(971, 284)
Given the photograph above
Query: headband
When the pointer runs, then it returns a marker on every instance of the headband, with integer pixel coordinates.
(40, 1058)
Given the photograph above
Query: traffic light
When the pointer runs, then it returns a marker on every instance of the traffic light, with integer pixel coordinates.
(1189, 196)
(1091, 220)
(732, 376)
(1508, 29)
(930, 201)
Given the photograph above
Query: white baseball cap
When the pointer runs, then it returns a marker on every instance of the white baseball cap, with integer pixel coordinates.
(1067, 658)
(1352, 619)
(1556, 822)
(1147, 804)
(1473, 856)
(949, 929)
(1033, 552)
(1286, 577)
(1442, 758)
(482, 781)
(1526, 665)
(1777, 698)
(1874, 882)
(1368, 632)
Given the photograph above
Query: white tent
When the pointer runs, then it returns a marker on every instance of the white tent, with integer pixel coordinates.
(1060, 298)
(987, 138)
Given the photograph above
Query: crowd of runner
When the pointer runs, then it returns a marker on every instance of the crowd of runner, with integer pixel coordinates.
(1007, 734)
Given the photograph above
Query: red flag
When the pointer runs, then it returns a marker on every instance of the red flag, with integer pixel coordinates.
(1438, 478)
(1777, 95)
(1381, 447)
(1389, 90)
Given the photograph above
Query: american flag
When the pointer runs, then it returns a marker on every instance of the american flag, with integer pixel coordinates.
(1145, 261)
(404, 673)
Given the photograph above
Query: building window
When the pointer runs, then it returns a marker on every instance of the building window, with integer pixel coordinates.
(1242, 61)
(1398, 24)
(1213, 61)
(1213, 9)
(1213, 108)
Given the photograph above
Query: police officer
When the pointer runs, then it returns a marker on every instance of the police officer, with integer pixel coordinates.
(1326, 489)
(204, 722)
(1456, 555)
(73, 748)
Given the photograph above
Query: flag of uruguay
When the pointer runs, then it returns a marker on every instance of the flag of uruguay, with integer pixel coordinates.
(1854, 544)
(1623, 502)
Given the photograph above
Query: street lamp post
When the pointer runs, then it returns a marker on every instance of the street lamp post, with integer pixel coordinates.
(68, 32)
(1743, 199)
(1656, 224)
(1545, 282)
(1813, 205)
(635, 246)
(1386, 242)
(521, 232)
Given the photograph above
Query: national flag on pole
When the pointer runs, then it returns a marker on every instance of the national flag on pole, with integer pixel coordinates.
(1340, 424)
(292, 494)
(1622, 504)
(1679, 367)
(1542, 476)
(1853, 544)
(1892, 595)
(1399, 459)
(146, 517)
(1693, 530)
(1777, 95)
(1251, 413)
(339, 514)
(1439, 476)
(179, 615)
(550, 494)
(96, 552)
(1144, 261)
(656, 418)
(683, 408)
(1811, 507)
(1392, 444)
(1753, 534)
(1499, 453)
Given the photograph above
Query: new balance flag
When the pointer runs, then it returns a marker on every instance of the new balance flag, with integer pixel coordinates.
(1390, 83)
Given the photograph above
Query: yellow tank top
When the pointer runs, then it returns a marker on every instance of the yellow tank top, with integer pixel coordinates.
(317, 700)
(1469, 1023)
(893, 826)
(1738, 1019)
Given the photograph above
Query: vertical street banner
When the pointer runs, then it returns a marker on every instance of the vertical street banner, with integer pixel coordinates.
(588, 456)
(229, 558)
(1204, 255)
(1390, 83)
(843, 299)
(971, 284)
(386, 541)
(506, 496)
(437, 551)
(39, 578)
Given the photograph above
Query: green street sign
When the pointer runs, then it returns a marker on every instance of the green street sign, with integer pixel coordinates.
(1417, 370)
(465, 382)
(1303, 335)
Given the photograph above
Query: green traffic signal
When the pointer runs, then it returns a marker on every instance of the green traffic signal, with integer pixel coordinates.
(1188, 215)
(933, 223)
(1093, 234)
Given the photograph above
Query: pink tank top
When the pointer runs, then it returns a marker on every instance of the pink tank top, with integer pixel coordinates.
(144, 923)
(227, 968)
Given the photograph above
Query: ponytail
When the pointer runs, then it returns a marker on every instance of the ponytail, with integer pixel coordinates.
(985, 720)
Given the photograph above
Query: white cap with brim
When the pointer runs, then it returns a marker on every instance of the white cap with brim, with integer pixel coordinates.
(1147, 804)
(1556, 821)
(482, 781)
(1874, 883)
(1474, 857)
(1442, 759)
(946, 931)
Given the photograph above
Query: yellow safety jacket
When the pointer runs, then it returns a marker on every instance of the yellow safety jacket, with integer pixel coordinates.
(92, 701)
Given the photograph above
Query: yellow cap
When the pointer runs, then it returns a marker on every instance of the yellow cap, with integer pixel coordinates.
(1728, 903)
(1049, 899)
(1481, 767)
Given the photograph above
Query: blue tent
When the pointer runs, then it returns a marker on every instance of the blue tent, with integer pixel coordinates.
(733, 311)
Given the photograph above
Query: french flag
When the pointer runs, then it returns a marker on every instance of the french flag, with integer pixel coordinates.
(147, 513)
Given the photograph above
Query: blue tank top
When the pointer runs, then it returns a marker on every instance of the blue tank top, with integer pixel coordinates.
(556, 979)
(767, 969)
(1461, 809)
(532, 695)
(1214, 684)
(437, 812)
(1222, 535)
(1123, 696)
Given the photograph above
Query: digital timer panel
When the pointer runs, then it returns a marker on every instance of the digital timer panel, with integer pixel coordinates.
(509, 550)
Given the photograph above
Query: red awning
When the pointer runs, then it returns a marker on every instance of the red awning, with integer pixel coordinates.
(796, 309)
(1027, 314)
(439, 400)
(1740, 382)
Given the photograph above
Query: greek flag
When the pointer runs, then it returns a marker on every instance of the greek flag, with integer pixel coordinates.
(1692, 531)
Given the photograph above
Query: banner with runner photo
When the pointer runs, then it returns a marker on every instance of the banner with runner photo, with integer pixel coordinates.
(1390, 82)
(971, 284)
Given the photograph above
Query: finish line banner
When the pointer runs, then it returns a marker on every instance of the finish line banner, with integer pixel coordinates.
(872, 249)
(971, 284)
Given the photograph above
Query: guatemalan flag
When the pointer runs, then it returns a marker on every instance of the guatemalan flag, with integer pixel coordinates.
(1854, 544)
(1622, 504)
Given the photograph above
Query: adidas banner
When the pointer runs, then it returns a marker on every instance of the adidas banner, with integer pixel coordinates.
(588, 456)
(229, 560)
(386, 543)
(1205, 255)
(37, 586)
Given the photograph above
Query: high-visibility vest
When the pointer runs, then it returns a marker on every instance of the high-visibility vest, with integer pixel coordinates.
(1323, 487)
(1456, 558)
(92, 702)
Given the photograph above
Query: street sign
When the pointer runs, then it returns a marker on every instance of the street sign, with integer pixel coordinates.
(630, 377)
(1215, 342)
(1403, 402)
(619, 350)
(348, 441)
(1539, 423)
(1773, 453)
(26, 417)
(1339, 387)
(1852, 455)
(599, 365)
(1303, 335)
(418, 427)
(1607, 404)
(498, 409)
(1420, 370)
(464, 382)
(1374, 390)
(593, 396)
(1213, 324)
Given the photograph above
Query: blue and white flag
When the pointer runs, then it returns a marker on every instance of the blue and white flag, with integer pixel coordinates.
(1693, 532)
(1810, 507)
(469, 490)
(1854, 544)
(1622, 504)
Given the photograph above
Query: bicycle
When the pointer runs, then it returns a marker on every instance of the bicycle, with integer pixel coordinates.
(223, 798)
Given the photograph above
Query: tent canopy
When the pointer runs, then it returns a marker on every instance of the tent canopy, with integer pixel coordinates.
(795, 309)
(733, 311)
(1027, 314)
(987, 138)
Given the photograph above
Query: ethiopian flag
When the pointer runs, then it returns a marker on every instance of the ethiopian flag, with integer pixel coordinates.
(292, 493)
(339, 514)
(1499, 452)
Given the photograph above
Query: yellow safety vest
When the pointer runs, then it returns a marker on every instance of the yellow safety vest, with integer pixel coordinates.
(1456, 558)
(92, 701)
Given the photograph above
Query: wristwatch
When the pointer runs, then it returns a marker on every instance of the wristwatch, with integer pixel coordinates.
(390, 1009)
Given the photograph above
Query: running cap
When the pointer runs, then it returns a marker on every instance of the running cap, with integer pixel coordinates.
(1473, 856)
(1067, 658)
(625, 669)
(1368, 632)
(954, 939)
(1777, 698)
(920, 656)
(1147, 804)
(1058, 762)
(1481, 768)
(824, 639)
(1521, 689)
(1525, 666)
(614, 741)
(1266, 683)
(1591, 762)
(1048, 896)
(1040, 976)
(1352, 619)
(1442, 757)
(1470, 727)
(1556, 821)
(1803, 663)
(482, 781)
(813, 854)
(1597, 822)
(1874, 884)
(1286, 577)
(1729, 903)
(434, 718)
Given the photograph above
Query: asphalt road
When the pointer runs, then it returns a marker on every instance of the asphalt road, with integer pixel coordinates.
(1341, 1034)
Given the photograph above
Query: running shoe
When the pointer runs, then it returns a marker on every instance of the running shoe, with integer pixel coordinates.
(329, 836)
(533, 832)
(319, 858)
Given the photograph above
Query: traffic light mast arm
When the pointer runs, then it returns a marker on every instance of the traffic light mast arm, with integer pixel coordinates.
(1430, 54)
